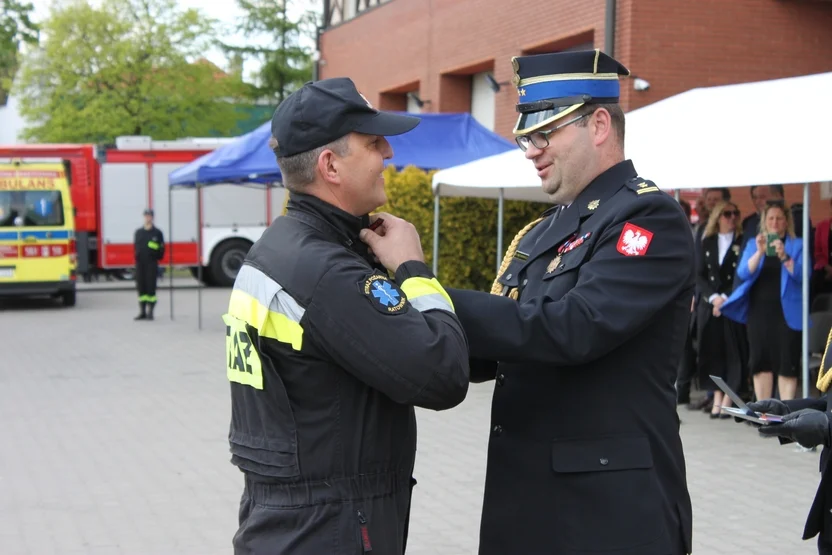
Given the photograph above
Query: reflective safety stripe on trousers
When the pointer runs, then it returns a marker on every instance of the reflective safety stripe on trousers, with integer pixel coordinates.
(263, 304)
(147, 298)
(425, 294)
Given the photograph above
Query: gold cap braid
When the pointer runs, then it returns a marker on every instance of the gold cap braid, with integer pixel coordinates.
(497, 287)
(824, 378)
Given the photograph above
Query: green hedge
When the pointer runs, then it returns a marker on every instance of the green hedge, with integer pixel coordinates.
(467, 227)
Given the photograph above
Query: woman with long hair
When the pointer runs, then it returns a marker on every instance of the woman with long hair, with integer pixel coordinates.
(722, 343)
(770, 301)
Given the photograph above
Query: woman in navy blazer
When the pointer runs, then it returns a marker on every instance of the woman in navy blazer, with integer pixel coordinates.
(769, 301)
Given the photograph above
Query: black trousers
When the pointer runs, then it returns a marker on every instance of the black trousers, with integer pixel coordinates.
(146, 275)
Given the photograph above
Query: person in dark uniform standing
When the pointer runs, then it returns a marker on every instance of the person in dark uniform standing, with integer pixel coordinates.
(149, 247)
(808, 422)
(583, 333)
(723, 343)
(327, 354)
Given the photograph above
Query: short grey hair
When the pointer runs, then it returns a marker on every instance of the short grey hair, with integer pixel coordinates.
(299, 169)
(616, 117)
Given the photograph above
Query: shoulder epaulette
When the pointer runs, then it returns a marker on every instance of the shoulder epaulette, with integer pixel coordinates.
(641, 186)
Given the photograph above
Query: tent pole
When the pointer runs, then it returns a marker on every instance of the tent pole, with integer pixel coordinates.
(436, 232)
(500, 203)
(806, 262)
(170, 247)
(199, 253)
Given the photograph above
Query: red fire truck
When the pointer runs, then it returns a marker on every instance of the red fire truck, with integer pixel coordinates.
(112, 185)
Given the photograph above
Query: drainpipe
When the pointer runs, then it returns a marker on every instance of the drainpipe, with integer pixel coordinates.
(609, 29)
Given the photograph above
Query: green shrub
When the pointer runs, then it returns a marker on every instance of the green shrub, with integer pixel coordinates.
(467, 227)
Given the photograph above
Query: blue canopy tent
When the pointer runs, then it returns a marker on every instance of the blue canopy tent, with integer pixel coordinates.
(440, 141)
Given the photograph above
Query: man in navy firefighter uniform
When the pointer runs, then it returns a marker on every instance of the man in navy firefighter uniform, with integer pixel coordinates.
(583, 333)
(149, 247)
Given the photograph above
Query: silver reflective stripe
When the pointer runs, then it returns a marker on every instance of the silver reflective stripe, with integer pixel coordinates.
(268, 293)
(434, 301)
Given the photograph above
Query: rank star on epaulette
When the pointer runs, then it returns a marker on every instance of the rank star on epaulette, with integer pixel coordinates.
(384, 295)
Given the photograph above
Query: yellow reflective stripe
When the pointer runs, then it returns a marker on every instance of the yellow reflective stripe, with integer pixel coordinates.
(243, 363)
(426, 294)
(153, 245)
(268, 323)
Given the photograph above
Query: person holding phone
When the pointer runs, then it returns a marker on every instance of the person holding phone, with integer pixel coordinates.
(769, 301)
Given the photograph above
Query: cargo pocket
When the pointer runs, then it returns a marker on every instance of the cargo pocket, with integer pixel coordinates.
(609, 491)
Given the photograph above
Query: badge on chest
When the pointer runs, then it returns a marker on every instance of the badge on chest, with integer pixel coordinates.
(569, 245)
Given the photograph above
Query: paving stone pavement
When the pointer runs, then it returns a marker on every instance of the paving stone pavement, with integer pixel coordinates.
(113, 441)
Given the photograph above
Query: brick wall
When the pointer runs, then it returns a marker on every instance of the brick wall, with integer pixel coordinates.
(676, 45)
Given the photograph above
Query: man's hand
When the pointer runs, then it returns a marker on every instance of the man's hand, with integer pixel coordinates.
(808, 427)
(767, 406)
(394, 242)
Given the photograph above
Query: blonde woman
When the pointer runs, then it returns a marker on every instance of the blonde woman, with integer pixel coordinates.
(770, 301)
(722, 344)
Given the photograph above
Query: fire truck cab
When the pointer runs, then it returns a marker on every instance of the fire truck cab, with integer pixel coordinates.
(113, 184)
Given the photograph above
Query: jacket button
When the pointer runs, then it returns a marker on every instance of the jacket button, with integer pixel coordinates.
(604, 462)
(508, 276)
(501, 378)
(498, 430)
(525, 281)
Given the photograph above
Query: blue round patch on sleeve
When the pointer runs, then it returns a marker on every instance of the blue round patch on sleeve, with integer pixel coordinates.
(384, 295)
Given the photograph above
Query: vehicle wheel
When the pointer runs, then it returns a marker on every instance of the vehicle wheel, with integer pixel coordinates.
(68, 298)
(226, 262)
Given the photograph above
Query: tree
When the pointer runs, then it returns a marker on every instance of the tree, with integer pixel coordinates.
(15, 28)
(285, 63)
(125, 67)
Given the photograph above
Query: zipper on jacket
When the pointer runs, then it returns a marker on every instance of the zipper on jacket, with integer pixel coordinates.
(365, 533)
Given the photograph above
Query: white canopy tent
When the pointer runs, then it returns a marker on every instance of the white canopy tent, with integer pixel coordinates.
(727, 136)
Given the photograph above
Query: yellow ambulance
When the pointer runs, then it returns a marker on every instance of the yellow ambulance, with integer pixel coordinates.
(37, 229)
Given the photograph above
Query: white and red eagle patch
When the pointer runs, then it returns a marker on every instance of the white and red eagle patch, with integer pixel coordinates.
(634, 240)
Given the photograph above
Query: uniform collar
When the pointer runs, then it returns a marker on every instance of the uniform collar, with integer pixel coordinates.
(600, 189)
(604, 186)
(342, 222)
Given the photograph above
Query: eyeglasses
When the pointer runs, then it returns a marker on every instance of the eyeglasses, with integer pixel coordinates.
(540, 139)
(731, 213)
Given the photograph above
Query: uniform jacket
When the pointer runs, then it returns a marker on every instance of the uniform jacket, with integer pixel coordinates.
(791, 293)
(149, 244)
(327, 357)
(584, 455)
(713, 278)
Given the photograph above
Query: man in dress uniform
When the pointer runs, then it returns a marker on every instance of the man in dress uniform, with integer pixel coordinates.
(583, 333)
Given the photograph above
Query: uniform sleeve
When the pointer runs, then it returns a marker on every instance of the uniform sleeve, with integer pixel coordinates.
(614, 298)
(401, 338)
(160, 251)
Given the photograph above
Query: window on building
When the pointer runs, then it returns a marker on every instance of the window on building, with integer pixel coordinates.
(482, 99)
(413, 103)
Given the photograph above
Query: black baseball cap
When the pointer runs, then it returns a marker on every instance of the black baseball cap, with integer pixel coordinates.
(323, 111)
(148, 212)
